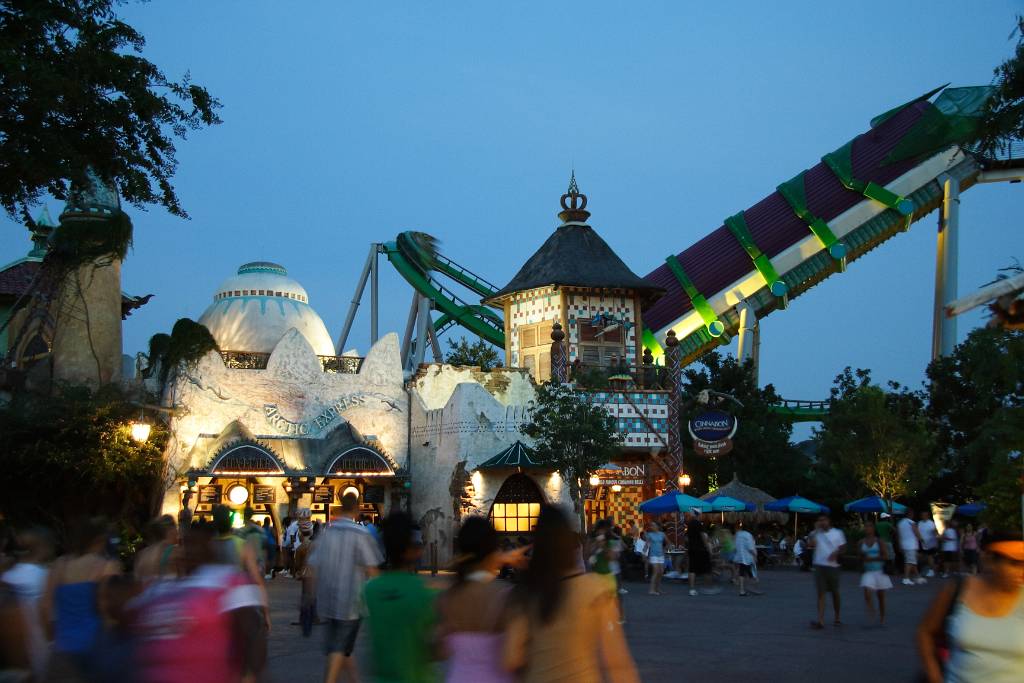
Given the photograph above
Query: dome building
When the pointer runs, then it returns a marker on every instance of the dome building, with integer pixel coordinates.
(254, 309)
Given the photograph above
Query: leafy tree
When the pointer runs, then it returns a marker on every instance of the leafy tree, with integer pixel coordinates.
(75, 93)
(1002, 490)
(1004, 116)
(975, 398)
(873, 440)
(762, 455)
(71, 454)
(479, 354)
(573, 435)
(976, 402)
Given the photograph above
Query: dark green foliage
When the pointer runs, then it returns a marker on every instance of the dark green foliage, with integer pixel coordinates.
(479, 354)
(76, 93)
(75, 243)
(976, 406)
(71, 455)
(572, 435)
(875, 441)
(188, 342)
(1004, 116)
(763, 455)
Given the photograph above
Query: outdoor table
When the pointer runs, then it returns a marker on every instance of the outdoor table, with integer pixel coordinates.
(671, 557)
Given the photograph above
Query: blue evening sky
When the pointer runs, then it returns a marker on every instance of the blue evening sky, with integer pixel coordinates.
(346, 123)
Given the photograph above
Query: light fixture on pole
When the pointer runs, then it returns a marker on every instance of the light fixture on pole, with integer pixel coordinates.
(594, 480)
(140, 429)
(684, 480)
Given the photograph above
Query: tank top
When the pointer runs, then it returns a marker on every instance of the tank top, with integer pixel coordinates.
(873, 555)
(476, 656)
(989, 649)
(77, 617)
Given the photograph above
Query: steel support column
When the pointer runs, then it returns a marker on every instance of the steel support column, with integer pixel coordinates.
(944, 328)
(374, 292)
(674, 367)
(749, 343)
(357, 297)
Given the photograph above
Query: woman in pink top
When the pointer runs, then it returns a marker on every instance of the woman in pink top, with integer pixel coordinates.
(472, 612)
(199, 616)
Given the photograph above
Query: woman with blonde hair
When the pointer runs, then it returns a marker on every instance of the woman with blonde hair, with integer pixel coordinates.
(563, 624)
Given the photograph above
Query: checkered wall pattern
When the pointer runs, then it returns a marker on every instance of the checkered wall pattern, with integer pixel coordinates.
(654, 405)
(585, 307)
(529, 307)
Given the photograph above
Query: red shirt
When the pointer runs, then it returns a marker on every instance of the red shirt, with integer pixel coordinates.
(183, 627)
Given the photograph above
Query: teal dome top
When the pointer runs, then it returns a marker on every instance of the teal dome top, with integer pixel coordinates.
(262, 267)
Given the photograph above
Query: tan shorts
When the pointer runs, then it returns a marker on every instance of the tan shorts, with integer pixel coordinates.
(910, 557)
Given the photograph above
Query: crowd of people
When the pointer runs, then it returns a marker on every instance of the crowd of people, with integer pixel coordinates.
(543, 608)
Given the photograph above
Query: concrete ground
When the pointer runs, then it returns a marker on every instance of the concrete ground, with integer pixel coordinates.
(675, 637)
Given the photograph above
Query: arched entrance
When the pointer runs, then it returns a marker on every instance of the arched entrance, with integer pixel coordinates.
(363, 470)
(517, 505)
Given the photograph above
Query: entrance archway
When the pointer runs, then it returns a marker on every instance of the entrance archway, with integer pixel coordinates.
(517, 505)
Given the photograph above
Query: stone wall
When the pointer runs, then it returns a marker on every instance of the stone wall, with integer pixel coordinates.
(460, 418)
(87, 338)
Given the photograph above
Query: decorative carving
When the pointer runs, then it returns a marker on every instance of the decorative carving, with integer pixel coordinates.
(247, 457)
(362, 460)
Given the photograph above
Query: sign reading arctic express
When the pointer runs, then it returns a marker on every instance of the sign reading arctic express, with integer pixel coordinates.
(712, 432)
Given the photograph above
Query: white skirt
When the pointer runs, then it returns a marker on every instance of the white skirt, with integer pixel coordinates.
(876, 580)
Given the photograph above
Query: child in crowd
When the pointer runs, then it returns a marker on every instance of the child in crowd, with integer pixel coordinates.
(401, 609)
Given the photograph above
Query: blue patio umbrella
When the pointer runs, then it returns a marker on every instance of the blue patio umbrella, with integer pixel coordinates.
(970, 509)
(729, 504)
(796, 504)
(875, 504)
(673, 501)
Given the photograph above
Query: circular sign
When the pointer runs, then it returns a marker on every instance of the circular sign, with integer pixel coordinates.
(713, 425)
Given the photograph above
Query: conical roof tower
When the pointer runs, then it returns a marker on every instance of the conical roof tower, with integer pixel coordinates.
(575, 255)
(576, 281)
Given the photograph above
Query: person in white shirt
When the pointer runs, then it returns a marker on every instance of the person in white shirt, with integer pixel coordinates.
(827, 544)
(910, 541)
(929, 543)
(27, 580)
(289, 544)
(950, 549)
(745, 557)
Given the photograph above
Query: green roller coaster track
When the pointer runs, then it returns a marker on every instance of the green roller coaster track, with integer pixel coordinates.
(419, 266)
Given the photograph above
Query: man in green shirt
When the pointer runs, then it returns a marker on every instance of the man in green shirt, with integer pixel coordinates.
(401, 610)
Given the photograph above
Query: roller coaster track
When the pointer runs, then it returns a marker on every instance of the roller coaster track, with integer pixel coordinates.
(421, 269)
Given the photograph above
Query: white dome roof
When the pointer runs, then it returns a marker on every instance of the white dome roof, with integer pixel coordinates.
(252, 310)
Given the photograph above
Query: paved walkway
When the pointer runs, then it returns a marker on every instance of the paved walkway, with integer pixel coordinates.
(675, 637)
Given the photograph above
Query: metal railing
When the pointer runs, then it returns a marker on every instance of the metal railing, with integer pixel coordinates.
(253, 360)
(599, 377)
(796, 404)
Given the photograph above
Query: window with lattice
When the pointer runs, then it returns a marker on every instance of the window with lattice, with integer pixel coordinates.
(517, 505)
(535, 349)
